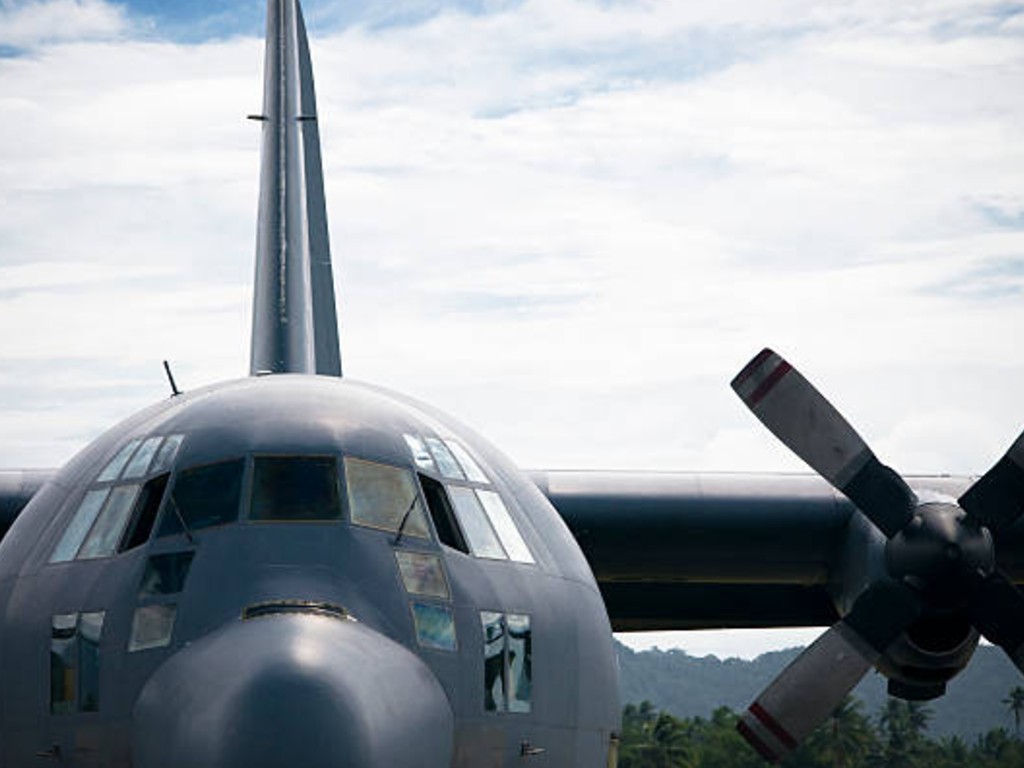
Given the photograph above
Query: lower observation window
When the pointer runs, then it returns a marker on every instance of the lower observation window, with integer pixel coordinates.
(435, 626)
(508, 661)
(152, 626)
(75, 662)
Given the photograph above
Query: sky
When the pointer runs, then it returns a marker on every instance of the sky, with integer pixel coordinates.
(568, 223)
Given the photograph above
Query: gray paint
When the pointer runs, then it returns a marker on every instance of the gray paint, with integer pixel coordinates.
(295, 329)
(575, 694)
(301, 687)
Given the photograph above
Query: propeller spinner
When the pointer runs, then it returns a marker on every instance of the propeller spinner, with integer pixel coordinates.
(940, 557)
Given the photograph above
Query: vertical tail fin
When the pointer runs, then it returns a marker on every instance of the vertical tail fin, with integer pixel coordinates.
(294, 325)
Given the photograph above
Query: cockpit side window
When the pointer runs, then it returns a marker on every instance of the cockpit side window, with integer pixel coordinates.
(467, 509)
(441, 512)
(146, 508)
(482, 540)
(295, 488)
(118, 511)
(204, 496)
(106, 531)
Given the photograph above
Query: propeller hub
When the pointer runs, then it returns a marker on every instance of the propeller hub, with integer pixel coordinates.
(934, 550)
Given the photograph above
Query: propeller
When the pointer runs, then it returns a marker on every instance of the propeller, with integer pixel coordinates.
(940, 557)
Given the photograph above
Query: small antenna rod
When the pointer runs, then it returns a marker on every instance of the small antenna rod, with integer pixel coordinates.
(170, 377)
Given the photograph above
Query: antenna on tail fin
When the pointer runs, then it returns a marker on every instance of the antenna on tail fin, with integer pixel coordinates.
(294, 324)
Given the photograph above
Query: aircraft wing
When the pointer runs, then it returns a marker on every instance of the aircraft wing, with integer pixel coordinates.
(17, 487)
(692, 551)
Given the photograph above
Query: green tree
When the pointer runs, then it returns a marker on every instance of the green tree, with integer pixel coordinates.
(902, 725)
(1015, 702)
(845, 740)
(653, 739)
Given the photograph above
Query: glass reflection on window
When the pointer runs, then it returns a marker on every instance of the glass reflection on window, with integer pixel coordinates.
(494, 660)
(90, 629)
(435, 626)
(419, 451)
(385, 497)
(445, 461)
(508, 661)
(295, 488)
(481, 537)
(165, 456)
(152, 627)
(63, 663)
(75, 662)
(106, 531)
(505, 526)
(140, 461)
(468, 464)
(520, 662)
(422, 574)
(165, 574)
(116, 464)
(83, 520)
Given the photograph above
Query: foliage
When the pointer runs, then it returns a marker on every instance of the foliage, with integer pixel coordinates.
(896, 737)
(1015, 703)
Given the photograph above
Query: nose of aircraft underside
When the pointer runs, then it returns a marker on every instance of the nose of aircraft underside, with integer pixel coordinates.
(292, 689)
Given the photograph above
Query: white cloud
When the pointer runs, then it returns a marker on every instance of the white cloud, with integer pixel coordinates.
(567, 223)
(27, 24)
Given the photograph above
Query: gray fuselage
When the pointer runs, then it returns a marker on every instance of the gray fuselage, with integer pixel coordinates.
(175, 610)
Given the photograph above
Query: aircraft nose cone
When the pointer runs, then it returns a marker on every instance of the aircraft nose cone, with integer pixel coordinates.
(292, 690)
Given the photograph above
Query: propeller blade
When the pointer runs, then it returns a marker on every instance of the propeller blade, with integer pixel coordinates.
(997, 609)
(814, 430)
(806, 693)
(997, 498)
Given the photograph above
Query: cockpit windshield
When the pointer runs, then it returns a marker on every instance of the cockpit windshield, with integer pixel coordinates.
(295, 488)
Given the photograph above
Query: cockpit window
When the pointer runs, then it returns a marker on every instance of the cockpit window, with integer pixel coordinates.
(295, 488)
(420, 454)
(385, 497)
(118, 512)
(504, 526)
(76, 532)
(165, 455)
(116, 464)
(445, 461)
(141, 458)
(481, 537)
(441, 512)
(468, 464)
(106, 532)
(146, 509)
(203, 497)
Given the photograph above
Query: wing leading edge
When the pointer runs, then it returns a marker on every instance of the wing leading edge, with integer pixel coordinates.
(700, 551)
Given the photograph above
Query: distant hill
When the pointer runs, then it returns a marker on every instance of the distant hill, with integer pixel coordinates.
(688, 686)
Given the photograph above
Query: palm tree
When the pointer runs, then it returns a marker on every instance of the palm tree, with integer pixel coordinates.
(667, 744)
(1015, 702)
(847, 734)
(903, 724)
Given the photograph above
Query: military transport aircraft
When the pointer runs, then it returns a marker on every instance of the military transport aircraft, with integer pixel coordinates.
(296, 569)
